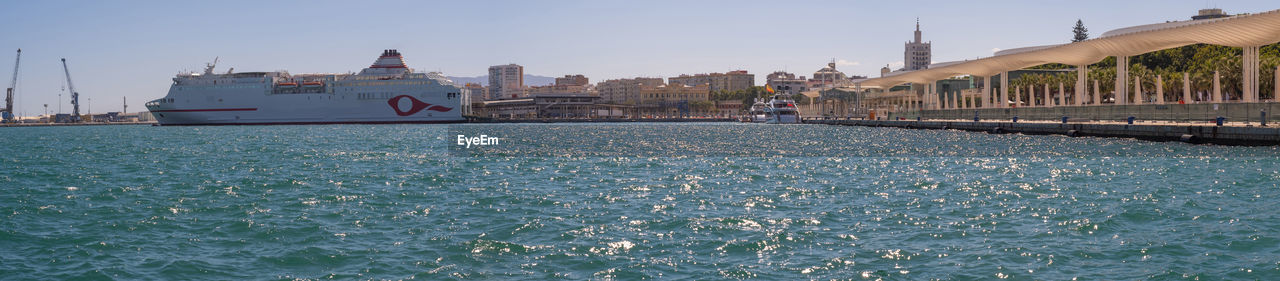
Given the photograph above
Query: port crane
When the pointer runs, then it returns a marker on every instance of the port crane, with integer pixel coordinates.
(75, 96)
(7, 112)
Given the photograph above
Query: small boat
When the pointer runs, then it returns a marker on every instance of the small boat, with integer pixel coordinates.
(781, 110)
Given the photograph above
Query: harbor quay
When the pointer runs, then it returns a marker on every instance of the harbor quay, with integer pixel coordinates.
(1258, 113)
(1185, 132)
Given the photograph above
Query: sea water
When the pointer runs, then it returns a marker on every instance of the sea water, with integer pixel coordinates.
(628, 201)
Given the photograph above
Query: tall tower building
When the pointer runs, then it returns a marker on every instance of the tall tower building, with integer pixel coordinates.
(918, 54)
(506, 81)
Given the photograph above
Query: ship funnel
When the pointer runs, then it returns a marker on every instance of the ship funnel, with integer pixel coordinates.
(390, 59)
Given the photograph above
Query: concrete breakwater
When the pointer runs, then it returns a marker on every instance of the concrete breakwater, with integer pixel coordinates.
(1192, 133)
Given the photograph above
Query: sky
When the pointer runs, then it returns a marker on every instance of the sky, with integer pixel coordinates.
(131, 49)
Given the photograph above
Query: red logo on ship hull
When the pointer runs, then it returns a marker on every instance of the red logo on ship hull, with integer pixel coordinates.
(416, 105)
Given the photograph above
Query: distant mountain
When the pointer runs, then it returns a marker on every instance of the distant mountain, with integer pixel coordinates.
(529, 80)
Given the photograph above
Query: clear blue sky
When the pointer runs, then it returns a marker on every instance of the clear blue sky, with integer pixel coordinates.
(133, 48)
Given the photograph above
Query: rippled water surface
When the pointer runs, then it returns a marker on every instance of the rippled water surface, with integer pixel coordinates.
(628, 201)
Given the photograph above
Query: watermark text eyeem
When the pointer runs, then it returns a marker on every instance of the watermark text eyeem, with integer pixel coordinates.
(482, 140)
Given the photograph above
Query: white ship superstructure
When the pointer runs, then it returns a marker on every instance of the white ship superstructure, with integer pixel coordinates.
(757, 111)
(781, 110)
(386, 92)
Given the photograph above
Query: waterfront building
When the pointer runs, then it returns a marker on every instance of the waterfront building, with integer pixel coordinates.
(624, 91)
(729, 107)
(558, 89)
(716, 82)
(569, 84)
(787, 83)
(917, 54)
(826, 78)
(578, 79)
(506, 81)
(478, 92)
(565, 105)
(544, 106)
(1205, 14)
(673, 99)
(828, 75)
(674, 92)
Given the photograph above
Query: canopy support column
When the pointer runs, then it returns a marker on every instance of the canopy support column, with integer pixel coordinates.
(1062, 94)
(929, 100)
(1122, 79)
(1186, 88)
(1004, 90)
(948, 100)
(944, 102)
(937, 96)
(1138, 97)
(1047, 97)
(1017, 96)
(1082, 77)
(1250, 73)
(1159, 89)
(1217, 87)
(986, 92)
(1097, 92)
(958, 104)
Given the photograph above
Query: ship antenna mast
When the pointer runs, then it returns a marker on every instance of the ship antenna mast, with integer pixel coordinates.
(208, 67)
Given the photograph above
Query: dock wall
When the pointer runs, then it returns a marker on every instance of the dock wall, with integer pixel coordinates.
(1229, 135)
(1233, 112)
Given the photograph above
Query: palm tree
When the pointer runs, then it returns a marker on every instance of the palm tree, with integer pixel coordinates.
(1068, 81)
(1172, 85)
(1201, 82)
(1267, 69)
(1026, 81)
(1146, 77)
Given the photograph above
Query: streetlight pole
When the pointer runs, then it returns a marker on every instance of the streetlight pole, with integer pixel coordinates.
(46, 112)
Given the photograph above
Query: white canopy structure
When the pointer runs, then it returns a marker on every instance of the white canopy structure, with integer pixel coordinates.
(1248, 31)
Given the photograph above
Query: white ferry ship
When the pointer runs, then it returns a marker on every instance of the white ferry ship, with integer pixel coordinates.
(386, 92)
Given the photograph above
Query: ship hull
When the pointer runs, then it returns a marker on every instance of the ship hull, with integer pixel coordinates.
(783, 119)
(315, 123)
(306, 109)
